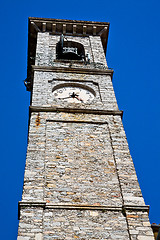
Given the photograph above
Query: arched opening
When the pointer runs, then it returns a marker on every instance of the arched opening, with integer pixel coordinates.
(69, 50)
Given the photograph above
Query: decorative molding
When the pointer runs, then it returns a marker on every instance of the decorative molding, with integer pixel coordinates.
(73, 70)
(82, 27)
(44, 205)
(136, 208)
(75, 110)
(43, 27)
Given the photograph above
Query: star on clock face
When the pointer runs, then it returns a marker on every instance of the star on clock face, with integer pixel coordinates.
(73, 94)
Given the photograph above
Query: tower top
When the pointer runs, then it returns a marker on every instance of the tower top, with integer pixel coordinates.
(65, 27)
(68, 27)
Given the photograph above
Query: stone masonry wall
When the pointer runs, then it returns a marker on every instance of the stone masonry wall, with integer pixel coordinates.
(139, 225)
(69, 153)
(46, 51)
(56, 175)
(80, 181)
(31, 224)
(102, 84)
(72, 224)
(87, 224)
(66, 140)
(79, 164)
(127, 176)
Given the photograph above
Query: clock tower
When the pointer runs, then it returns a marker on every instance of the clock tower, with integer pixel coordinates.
(80, 181)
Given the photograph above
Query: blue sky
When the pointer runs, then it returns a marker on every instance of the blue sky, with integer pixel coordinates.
(134, 54)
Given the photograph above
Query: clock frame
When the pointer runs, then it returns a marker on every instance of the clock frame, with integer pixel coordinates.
(73, 93)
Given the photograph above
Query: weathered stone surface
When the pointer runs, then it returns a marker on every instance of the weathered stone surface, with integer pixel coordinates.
(85, 225)
(84, 173)
(78, 160)
(136, 220)
(31, 223)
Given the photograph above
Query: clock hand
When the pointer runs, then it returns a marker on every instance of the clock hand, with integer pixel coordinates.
(78, 98)
(64, 97)
(74, 95)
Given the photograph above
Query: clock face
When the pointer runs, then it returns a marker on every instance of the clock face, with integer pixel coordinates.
(73, 94)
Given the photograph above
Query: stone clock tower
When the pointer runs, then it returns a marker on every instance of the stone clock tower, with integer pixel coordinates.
(80, 181)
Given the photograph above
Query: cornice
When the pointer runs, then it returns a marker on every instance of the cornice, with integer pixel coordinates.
(45, 205)
(75, 110)
(69, 27)
(142, 208)
(73, 70)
